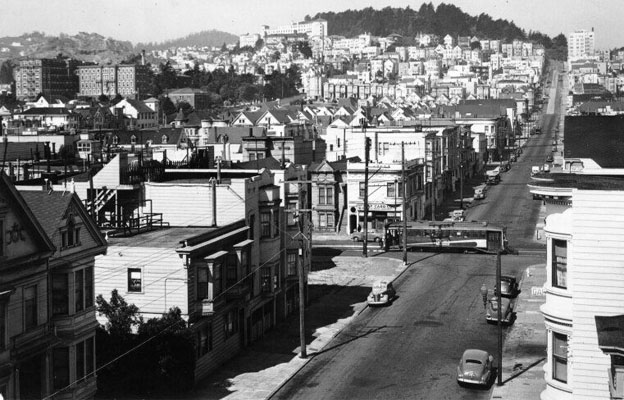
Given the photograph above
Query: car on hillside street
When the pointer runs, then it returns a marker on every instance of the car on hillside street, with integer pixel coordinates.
(475, 368)
(509, 287)
(507, 314)
(382, 293)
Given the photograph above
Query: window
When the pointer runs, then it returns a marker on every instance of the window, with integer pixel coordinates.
(165, 139)
(230, 324)
(265, 279)
(326, 194)
(560, 357)
(30, 307)
(217, 280)
(362, 190)
(134, 280)
(79, 290)
(202, 283)
(3, 325)
(276, 223)
(291, 263)
(60, 367)
(559, 263)
(231, 273)
(60, 294)
(70, 234)
(265, 225)
(88, 287)
(133, 139)
(291, 215)
(115, 140)
(204, 340)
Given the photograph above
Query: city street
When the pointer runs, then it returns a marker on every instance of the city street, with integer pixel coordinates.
(411, 348)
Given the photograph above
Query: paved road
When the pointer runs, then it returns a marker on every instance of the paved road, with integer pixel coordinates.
(411, 348)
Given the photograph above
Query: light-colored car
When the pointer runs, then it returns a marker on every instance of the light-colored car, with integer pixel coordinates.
(475, 367)
(382, 293)
(479, 193)
(491, 314)
(373, 236)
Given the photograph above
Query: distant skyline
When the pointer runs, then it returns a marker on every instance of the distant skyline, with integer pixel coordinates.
(160, 20)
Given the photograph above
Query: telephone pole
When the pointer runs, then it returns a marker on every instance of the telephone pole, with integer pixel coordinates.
(367, 146)
(403, 184)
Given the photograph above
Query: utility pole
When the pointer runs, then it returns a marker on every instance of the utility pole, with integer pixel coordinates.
(403, 183)
(499, 317)
(367, 146)
(433, 178)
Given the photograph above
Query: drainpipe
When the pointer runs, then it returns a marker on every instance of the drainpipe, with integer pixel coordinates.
(214, 203)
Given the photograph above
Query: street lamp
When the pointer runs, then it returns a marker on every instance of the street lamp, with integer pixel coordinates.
(396, 188)
(484, 294)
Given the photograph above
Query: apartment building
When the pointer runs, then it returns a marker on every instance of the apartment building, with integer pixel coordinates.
(581, 44)
(50, 77)
(128, 80)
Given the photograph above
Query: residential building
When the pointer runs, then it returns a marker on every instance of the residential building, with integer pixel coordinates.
(50, 77)
(196, 98)
(314, 28)
(47, 307)
(583, 261)
(128, 80)
(581, 44)
(136, 114)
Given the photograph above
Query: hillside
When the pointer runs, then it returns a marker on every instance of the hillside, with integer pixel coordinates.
(443, 20)
(200, 39)
(89, 47)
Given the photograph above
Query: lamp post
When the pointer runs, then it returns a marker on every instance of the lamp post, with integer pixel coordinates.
(484, 294)
(396, 188)
(499, 317)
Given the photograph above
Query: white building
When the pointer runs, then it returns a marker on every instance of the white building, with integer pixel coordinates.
(581, 44)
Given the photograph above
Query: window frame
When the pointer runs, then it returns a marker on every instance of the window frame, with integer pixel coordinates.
(265, 224)
(130, 288)
(292, 262)
(559, 264)
(204, 340)
(60, 294)
(30, 307)
(559, 359)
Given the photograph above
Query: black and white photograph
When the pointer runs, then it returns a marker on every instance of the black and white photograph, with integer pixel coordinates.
(312, 200)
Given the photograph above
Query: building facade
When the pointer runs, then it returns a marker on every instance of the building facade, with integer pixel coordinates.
(581, 44)
(128, 80)
(50, 77)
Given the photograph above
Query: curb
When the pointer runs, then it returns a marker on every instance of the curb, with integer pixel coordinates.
(337, 332)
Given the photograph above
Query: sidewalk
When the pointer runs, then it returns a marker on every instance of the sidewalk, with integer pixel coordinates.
(337, 296)
(524, 351)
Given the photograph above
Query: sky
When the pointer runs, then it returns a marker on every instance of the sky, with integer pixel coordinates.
(160, 20)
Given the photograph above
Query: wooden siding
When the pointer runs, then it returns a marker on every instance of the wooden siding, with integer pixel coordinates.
(222, 349)
(597, 274)
(163, 278)
(191, 204)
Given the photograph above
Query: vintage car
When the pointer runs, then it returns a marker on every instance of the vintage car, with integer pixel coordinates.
(479, 193)
(507, 314)
(509, 286)
(475, 367)
(373, 236)
(382, 293)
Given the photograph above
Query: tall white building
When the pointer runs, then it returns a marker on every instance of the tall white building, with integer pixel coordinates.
(581, 44)
(315, 28)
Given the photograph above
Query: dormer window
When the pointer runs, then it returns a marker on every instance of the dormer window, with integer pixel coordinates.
(165, 139)
(115, 140)
(133, 139)
(70, 234)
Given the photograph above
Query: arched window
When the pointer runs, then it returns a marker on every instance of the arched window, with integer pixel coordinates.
(133, 139)
(115, 140)
(165, 139)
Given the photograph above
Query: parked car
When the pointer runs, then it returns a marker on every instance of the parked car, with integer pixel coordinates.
(549, 158)
(479, 193)
(373, 236)
(509, 286)
(382, 293)
(507, 315)
(475, 367)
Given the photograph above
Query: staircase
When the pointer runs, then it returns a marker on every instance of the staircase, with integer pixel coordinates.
(100, 201)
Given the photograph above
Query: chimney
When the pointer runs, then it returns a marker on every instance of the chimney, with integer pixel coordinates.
(143, 57)
(214, 202)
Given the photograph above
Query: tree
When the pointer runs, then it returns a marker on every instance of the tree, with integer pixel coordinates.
(224, 48)
(167, 105)
(122, 317)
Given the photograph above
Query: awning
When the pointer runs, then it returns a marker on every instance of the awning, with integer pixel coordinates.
(216, 255)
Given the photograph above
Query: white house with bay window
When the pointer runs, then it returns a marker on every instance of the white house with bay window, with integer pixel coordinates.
(585, 276)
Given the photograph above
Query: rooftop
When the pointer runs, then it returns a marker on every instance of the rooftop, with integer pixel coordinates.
(599, 138)
(578, 181)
